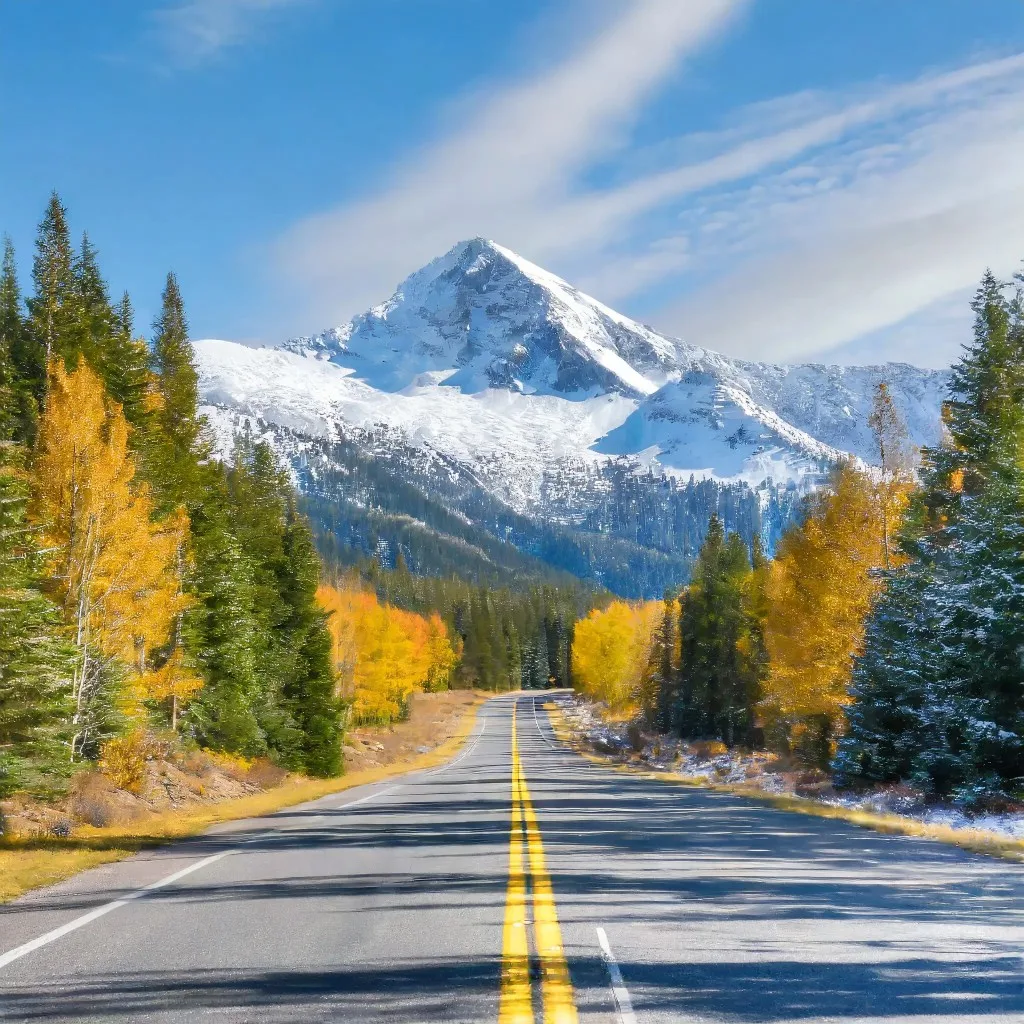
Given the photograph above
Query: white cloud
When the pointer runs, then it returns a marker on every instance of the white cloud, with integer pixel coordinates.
(195, 31)
(508, 171)
(809, 224)
(855, 256)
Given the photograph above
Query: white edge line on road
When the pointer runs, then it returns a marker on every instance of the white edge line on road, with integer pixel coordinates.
(619, 992)
(469, 750)
(79, 922)
(367, 798)
(536, 721)
(44, 940)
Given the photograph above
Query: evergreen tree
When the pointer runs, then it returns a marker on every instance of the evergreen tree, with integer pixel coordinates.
(659, 695)
(223, 632)
(22, 370)
(53, 309)
(126, 368)
(10, 328)
(93, 317)
(938, 690)
(719, 676)
(181, 426)
(35, 663)
(309, 690)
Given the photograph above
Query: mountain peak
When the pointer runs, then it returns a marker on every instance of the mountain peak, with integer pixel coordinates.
(481, 316)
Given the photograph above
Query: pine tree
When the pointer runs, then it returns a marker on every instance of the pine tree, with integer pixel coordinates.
(10, 329)
(658, 691)
(126, 368)
(310, 689)
(946, 714)
(719, 673)
(22, 374)
(53, 309)
(223, 632)
(35, 662)
(181, 427)
(93, 316)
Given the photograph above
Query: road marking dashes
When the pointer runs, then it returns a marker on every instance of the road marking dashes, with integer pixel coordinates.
(619, 991)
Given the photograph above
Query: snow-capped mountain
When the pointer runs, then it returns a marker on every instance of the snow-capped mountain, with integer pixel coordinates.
(508, 371)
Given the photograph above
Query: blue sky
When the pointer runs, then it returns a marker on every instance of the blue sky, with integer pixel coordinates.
(783, 179)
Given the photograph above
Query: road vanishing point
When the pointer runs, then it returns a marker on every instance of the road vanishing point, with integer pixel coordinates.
(523, 883)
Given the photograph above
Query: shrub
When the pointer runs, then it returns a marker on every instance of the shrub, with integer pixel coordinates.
(123, 761)
(708, 748)
(265, 774)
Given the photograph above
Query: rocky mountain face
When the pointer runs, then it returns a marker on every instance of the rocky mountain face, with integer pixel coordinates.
(485, 368)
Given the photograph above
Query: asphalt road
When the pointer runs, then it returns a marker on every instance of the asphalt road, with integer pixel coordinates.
(393, 902)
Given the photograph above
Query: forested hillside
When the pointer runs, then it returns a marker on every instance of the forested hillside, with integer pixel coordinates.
(883, 640)
(615, 526)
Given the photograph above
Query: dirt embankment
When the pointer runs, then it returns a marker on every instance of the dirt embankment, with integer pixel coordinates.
(167, 779)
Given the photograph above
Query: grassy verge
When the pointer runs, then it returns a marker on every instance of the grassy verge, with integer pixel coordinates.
(974, 840)
(27, 862)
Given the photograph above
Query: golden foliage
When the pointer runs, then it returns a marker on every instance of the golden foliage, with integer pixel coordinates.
(172, 682)
(115, 571)
(611, 649)
(819, 590)
(123, 761)
(383, 654)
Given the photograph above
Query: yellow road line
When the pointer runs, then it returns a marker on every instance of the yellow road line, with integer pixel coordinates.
(556, 986)
(516, 1005)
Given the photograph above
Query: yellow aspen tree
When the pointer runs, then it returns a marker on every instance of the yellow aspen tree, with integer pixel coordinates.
(819, 590)
(442, 655)
(382, 654)
(611, 651)
(115, 571)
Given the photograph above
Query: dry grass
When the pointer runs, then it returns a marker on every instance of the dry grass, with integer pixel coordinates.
(973, 840)
(27, 862)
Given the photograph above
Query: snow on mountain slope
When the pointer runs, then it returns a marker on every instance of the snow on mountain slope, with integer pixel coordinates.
(702, 425)
(492, 361)
(505, 437)
(488, 318)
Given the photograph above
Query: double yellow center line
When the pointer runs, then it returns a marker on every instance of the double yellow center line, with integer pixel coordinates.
(516, 1005)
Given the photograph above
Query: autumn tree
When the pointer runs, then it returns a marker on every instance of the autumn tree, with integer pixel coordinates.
(382, 654)
(819, 590)
(895, 462)
(611, 651)
(114, 571)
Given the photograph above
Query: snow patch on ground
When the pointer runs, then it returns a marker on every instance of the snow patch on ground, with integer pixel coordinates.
(705, 762)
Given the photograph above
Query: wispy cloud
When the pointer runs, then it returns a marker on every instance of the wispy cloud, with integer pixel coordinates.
(195, 31)
(508, 170)
(846, 223)
(865, 248)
